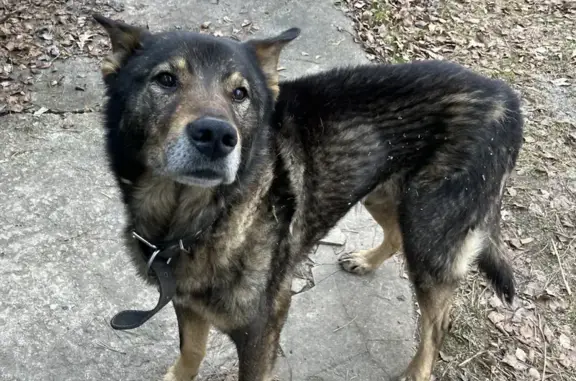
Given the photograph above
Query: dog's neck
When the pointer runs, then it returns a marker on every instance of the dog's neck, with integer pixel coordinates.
(162, 209)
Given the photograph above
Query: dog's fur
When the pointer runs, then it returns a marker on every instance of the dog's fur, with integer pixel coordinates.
(427, 146)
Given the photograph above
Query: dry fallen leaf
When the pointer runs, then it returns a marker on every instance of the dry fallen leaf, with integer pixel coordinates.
(446, 357)
(566, 361)
(548, 334)
(520, 354)
(35, 33)
(40, 111)
(564, 341)
(495, 301)
(496, 317)
(511, 360)
(515, 243)
(527, 330)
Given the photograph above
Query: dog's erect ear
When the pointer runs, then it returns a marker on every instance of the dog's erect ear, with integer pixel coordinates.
(125, 40)
(268, 54)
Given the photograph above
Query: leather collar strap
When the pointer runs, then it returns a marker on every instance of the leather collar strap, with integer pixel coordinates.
(158, 262)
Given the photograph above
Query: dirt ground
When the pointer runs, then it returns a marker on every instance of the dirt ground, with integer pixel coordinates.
(531, 44)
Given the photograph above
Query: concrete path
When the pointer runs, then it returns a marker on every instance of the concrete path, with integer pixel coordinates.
(64, 272)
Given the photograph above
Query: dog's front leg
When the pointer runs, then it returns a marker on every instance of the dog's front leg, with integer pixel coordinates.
(193, 330)
(257, 342)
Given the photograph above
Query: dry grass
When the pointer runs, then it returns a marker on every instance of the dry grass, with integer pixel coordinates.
(531, 44)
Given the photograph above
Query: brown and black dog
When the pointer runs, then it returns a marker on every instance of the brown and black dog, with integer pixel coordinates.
(248, 174)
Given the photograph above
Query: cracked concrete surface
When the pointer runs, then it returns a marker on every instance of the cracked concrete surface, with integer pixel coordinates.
(64, 271)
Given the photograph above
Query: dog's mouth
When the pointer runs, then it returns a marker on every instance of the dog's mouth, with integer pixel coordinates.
(201, 177)
(208, 174)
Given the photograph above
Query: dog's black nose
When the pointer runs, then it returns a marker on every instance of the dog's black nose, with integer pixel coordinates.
(213, 137)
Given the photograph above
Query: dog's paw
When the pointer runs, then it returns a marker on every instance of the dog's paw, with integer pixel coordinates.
(174, 375)
(355, 263)
(170, 376)
(412, 377)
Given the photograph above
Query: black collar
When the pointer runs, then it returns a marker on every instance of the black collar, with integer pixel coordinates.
(158, 258)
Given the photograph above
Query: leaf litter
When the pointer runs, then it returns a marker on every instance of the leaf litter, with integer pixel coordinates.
(36, 33)
(531, 45)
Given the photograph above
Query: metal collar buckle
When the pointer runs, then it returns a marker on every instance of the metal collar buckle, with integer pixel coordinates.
(152, 246)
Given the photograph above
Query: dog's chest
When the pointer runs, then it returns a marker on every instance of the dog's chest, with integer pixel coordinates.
(225, 276)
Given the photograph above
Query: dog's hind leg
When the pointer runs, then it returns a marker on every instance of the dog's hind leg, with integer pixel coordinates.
(447, 226)
(434, 292)
(434, 302)
(193, 330)
(382, 205)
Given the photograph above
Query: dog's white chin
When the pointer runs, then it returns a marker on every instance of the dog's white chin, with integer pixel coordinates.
(198, 181)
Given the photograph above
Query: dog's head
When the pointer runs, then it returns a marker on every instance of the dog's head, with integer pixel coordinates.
(190, 106)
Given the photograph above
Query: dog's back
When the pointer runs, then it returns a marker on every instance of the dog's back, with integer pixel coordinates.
(432, 145)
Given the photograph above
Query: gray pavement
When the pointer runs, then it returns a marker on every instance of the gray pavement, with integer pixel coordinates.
(63, 269)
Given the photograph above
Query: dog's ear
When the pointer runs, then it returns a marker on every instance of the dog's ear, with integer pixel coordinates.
(268, 54)
(125, 40)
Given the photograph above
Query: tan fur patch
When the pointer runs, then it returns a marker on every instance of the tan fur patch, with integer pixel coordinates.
(191, 202)
(194, 338)
(180, 63)
(153, 203)
(111, 64)
(461, 99)
(236, 79)
(434, 324)
(182, 116)
(382, 206)
(268, 57)
(498, 111)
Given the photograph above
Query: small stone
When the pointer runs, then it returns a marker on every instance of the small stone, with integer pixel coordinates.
(334, 237)
(54, 51)
(298, 284)
(367, 15)
(515, 243)
(40, 111)
(534, 374)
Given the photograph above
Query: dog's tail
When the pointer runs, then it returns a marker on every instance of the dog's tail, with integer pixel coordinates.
(495, 266)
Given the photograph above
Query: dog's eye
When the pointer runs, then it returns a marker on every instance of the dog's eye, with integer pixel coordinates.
(239, 94)
(166, 80)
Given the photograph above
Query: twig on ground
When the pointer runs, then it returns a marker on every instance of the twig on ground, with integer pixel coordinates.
(109, 348)
(545, 347)
(566, 285)
(470, 358)
(345, 325)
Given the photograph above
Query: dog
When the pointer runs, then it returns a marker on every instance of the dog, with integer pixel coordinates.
(243, 174)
